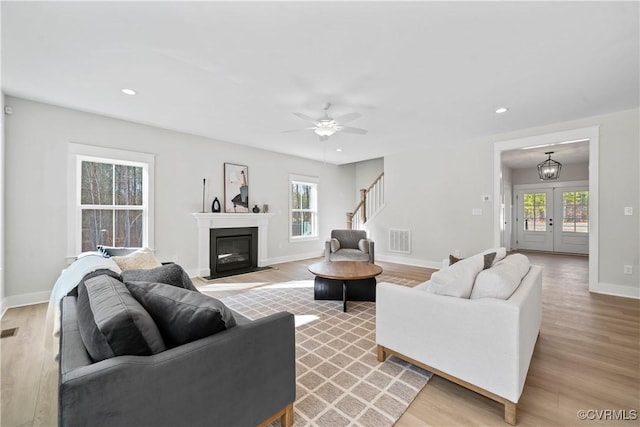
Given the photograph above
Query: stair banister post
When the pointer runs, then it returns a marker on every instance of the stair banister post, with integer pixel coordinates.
(349, 220)
(363, 199)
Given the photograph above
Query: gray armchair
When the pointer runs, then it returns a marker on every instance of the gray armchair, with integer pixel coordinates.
(349, 245)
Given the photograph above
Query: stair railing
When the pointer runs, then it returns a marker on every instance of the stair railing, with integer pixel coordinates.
(371, 201)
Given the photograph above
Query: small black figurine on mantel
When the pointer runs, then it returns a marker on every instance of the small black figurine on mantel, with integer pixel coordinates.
(215, 206)
(256, 209)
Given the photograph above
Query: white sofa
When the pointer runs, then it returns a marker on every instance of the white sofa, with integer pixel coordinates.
(483, 344)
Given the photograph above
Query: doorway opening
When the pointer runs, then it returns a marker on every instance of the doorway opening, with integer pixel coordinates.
(505, 209)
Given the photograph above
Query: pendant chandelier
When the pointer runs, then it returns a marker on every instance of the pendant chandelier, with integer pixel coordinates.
(549, 169)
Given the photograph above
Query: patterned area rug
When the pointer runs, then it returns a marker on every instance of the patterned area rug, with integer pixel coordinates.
(339, 380)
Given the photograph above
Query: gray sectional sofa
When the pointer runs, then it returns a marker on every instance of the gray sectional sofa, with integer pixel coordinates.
(241, 376)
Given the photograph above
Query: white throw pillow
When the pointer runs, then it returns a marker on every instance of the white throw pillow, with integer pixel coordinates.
(457, 280)
(501, 280)
(363, 245)
(140, 259)
(335, 245)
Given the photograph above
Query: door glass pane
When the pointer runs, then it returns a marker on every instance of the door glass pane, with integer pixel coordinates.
(575, 211)
(97, 228)
(97, 184)
(535, 211)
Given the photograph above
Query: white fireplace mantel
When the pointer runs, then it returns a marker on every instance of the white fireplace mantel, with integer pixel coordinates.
(207, 221)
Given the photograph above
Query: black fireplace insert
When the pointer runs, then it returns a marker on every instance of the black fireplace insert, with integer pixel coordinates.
(233, 251)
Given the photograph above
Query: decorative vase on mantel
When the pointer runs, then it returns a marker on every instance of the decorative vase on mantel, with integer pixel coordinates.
(215, 206)
(256, 209)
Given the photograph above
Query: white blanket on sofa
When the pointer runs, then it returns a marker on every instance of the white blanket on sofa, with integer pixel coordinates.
(86, 263)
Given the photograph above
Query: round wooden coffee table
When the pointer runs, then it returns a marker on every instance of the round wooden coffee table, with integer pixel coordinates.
(358, 276)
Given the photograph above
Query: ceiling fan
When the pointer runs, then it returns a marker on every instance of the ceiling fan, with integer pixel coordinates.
(326, 126)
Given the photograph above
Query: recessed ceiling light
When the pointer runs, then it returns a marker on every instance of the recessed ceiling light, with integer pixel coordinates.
(501, 110)
(339, 150)
(129, 92)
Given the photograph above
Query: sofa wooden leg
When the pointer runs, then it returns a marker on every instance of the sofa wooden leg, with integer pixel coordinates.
(510, 412)
(287, 417)
(381, 353)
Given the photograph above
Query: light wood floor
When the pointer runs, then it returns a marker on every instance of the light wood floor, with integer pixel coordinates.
(587, 356)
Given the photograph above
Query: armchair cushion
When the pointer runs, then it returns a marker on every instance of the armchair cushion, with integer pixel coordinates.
(349, 245)
(335, 245)
(112, 323)
(349, 238)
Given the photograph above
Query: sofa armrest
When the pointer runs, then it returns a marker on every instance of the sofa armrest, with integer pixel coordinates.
(240, 376)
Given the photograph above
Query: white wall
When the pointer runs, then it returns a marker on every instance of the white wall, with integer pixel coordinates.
(569, 172)
(366, 172)
(434, 199)
(431, 192)
(2, 161)
(36, 156)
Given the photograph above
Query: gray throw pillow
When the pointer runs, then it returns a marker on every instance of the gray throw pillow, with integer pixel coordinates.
(488, 260)
(171, 274)
(335, 245)
(363, 245)
(112, 322)
(182, 315)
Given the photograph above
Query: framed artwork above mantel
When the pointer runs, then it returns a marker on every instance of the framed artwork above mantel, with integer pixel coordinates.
(236, 188)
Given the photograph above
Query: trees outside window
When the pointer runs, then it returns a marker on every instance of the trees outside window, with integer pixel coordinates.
(303, 207)
(112, 202)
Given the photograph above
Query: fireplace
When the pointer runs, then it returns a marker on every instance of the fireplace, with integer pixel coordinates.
(207, 221)
(233, 251)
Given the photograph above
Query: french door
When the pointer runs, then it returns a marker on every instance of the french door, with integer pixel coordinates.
(553, 219)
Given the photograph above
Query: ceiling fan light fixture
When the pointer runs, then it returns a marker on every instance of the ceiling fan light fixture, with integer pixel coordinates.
(324, 131)
(549, 169)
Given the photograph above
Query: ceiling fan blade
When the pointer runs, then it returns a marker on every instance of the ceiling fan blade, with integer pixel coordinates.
(350, 129)
(304, 117)
(347, 117)
(296, 130)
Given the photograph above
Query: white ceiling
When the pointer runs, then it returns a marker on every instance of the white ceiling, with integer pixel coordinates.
(421, 73)
(565, 152)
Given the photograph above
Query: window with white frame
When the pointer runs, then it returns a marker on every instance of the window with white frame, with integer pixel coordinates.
(112, 198)
(303, 207)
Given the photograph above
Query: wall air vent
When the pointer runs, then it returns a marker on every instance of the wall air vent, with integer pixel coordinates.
(400, 241)
(11, 332)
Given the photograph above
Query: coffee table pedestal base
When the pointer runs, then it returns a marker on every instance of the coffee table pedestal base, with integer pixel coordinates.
(356, 290)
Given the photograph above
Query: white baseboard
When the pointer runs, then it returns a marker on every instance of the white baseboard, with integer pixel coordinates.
(290, 258)
(194, 272)
(616, 290)
(409, 261)
(24, 299)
